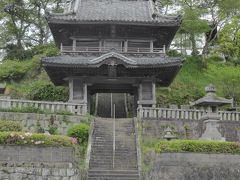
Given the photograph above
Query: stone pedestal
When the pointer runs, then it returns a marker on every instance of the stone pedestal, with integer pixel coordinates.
(211, 132)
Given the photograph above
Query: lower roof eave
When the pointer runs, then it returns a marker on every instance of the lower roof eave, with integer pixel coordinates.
(145, 66)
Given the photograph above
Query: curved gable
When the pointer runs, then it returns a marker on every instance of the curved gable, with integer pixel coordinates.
(106, 57)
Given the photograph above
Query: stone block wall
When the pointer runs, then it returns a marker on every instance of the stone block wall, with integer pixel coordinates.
(187, 129)
(32, 121)
(37, 155)
(39, 163)
(191, 166)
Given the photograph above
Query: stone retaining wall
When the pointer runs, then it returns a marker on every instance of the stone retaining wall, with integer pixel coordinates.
(32, 121)
(39, 163)
(37, 156)
(191, 166)
(187, 129)
(29, 173)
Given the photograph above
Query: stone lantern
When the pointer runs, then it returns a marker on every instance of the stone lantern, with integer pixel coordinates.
(2, 88)
(169, 134)
(210, 104)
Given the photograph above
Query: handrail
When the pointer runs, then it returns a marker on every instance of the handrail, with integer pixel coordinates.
(114, 134)
(138, 147)
(184, 114)
(90, 139)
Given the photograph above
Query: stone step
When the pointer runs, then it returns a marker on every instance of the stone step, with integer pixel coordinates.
(113, 174)
(101, 158)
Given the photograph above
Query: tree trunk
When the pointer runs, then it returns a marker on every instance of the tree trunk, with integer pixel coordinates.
(205, 48)
(194, 44)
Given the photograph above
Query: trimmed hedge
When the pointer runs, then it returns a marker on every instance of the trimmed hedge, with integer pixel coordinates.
(198, 146)
(13, 138)
(6, 126)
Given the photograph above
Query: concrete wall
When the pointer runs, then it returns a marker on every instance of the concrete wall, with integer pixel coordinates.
(191, 166)
(39, 163)
(155, 128)
(32, 121)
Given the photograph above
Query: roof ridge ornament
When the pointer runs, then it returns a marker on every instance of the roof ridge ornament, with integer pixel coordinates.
(156, 11)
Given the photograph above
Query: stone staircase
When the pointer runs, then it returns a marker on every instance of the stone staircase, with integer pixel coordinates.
(104, 105)
(101, 159)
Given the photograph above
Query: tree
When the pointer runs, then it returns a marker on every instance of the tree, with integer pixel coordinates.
(165, 5)
(24, 24)
(220, 12)
(229, 40)
(192, 23)
(40, 9)
(14, 20)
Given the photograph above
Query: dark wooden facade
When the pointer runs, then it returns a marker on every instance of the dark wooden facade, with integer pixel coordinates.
(113, 46)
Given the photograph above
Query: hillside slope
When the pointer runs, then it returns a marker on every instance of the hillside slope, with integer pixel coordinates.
(190, 82)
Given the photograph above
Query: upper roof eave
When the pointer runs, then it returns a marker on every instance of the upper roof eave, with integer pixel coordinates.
(156, 23)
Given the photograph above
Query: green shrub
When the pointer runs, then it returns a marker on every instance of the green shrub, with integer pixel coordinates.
(13, 70)
(45, 91)
(198, 146)
(34, 139)
(6, 126)
(174, 53)
(79, 131)
(53, 129)
(215, 58)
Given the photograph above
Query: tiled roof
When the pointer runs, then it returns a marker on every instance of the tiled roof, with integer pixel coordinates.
(115, 11)
(76, 61)
(212, 100)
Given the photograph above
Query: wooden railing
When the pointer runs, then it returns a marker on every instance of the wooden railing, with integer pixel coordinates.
(78, 109)
(183, 114)
(70, 49)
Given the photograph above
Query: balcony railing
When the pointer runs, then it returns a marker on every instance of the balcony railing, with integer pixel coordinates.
(72, 49)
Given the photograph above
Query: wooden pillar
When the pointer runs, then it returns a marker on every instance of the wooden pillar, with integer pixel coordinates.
(100, 45)
(151, 46)
(135, 104)
(89, 101)
(140, 95)
(85, 93)
(126, 46)
(74, 44)
(164, 48)
(154, 94)
(70, 83)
